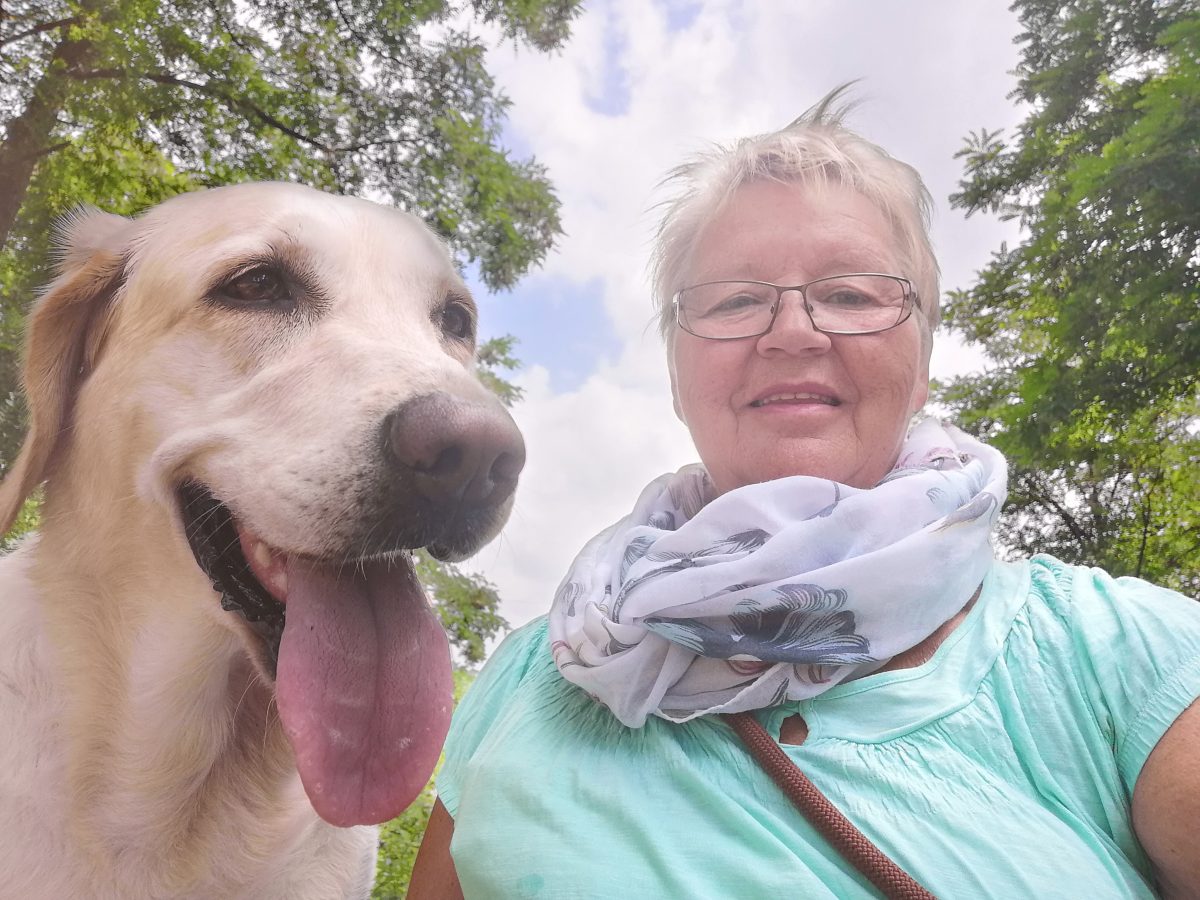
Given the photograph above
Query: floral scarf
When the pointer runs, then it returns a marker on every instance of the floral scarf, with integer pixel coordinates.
(775, 591)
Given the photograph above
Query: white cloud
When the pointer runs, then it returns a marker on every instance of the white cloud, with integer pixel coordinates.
(590, 452)
(931, 72)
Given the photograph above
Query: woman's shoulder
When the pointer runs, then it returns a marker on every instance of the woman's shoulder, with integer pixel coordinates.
(520, 649)
(486, 702)
(1089, 600)
(1082, 615)
(521, 688)
(522, 652)
(1131, 648)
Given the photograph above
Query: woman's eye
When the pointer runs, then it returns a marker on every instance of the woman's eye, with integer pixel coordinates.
(848, 299)
(260, 286)
(458, 321)
(738, 303)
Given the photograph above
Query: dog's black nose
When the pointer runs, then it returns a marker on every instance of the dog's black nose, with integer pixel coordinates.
(454, 449)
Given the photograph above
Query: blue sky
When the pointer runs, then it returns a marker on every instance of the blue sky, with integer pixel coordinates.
(641, 85)
(559, 322)
(560, 325)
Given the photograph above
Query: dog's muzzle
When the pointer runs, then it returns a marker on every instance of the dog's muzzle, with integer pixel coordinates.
(361, 665)
(446, 482)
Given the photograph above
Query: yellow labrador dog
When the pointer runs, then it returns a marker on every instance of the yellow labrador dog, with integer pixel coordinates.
(246, 405)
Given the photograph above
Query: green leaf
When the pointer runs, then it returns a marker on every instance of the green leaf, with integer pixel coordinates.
(1092, 322)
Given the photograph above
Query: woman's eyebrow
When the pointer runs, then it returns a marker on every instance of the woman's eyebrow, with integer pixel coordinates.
(858, 260)
(842, 264)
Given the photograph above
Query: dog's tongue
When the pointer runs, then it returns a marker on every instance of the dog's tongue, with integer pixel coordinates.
(364, 687)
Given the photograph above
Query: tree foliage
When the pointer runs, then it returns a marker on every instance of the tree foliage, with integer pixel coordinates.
(400, 839)
(1093, 320)
(129, 100)
(468, 605)
(122, 103)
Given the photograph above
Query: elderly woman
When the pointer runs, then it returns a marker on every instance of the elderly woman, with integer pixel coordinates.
(991, 729)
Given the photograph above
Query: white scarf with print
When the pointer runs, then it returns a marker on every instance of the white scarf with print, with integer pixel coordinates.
(775, 591)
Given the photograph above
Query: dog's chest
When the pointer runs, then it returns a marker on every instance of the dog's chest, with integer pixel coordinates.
(33, 815)
(40, 853)
(31, 707)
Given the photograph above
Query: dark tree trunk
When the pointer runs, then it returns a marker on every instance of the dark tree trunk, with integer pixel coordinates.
(29, 134)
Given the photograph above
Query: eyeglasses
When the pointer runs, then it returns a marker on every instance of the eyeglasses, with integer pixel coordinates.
(861, 303)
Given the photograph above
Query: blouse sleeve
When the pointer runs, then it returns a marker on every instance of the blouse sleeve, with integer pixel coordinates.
(1139, 648)
(483, 703)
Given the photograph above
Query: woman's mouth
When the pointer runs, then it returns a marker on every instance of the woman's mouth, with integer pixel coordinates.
(795, 398)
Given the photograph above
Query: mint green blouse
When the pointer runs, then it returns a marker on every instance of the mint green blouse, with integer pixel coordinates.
(1003, 767)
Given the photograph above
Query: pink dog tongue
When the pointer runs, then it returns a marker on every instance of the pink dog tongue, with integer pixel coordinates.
(364, 687)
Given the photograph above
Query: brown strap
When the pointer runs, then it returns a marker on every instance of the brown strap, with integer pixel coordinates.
(854, 846)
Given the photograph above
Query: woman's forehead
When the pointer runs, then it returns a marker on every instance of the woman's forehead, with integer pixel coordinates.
(820, 229)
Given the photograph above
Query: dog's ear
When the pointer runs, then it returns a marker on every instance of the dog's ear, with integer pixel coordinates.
(64, 337)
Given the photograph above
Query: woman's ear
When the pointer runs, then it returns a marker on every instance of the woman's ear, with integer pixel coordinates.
(674, 379)
(920, 394)
(64, 337)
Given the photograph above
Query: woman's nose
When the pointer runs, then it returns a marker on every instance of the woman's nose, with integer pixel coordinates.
(793, 330)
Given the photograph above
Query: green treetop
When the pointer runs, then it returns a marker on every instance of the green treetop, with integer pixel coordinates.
(1093, 321)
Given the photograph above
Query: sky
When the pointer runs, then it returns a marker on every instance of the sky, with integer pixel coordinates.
(640, 86)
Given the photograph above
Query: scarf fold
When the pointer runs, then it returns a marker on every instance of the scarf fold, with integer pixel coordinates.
(775, 591)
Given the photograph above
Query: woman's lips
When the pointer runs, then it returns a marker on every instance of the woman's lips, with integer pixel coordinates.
(796, 396)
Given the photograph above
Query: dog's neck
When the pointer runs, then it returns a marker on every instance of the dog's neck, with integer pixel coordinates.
(164, 707)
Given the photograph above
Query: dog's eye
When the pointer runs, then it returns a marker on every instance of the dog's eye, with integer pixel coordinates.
(260, 286)
(458, 321)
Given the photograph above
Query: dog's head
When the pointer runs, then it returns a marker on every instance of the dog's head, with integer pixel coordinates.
(287, 374)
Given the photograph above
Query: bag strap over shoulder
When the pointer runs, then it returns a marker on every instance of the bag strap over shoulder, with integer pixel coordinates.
(854, 846)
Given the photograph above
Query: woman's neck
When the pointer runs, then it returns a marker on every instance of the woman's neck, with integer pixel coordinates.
(794, 729)
(923, 652)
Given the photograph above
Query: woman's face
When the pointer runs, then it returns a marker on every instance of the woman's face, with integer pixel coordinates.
(796, 401)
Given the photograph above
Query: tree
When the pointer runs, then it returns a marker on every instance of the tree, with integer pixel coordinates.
(400, 839)
(122, 103)
(353, 95)
(1093, 320)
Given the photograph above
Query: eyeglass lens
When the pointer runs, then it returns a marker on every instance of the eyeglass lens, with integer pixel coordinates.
(847, 304)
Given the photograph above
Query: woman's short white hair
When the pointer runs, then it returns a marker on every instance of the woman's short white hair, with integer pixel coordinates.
(816, 149)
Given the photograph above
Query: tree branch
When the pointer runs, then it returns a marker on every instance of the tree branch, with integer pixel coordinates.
(1074, 527)
(29, 133)
(366, 145)
(365, 41)
(1141, 560)
(38, 29)
(233, 35)
(54, 148)
(240, 104)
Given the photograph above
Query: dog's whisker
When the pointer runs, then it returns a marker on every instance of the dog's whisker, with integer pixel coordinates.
(270, 718)
(250, 683)
(229, 546)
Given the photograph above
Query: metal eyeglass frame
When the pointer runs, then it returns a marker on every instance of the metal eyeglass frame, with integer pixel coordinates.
(911, 302)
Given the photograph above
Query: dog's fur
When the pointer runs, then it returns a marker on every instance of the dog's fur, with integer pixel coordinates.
(141, 754)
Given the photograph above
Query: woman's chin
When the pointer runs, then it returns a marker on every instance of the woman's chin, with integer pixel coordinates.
(783, 458)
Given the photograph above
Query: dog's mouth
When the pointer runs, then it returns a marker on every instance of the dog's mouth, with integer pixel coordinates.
(361, 663)
(216, 544)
